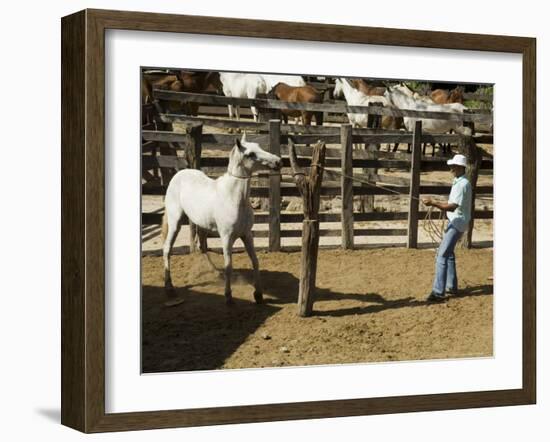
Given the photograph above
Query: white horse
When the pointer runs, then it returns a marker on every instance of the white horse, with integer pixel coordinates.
(355, 97)
(403, 98)
(220, 205)
(240, 85)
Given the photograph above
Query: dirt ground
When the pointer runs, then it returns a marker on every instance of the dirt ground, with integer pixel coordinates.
(370, 306)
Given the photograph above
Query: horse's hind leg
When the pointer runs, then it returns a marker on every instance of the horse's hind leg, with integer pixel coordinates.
(248, 242)
(227, 244)
(170, 228)
(203, 246)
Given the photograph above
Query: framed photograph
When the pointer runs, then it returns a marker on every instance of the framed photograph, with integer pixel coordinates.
(268, 221)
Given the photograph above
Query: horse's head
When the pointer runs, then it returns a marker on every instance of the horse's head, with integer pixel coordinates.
(273, 94)
(251, 157)
(338, 88)
(457, 95)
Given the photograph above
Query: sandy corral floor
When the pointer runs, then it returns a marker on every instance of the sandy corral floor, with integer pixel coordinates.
(370, 306)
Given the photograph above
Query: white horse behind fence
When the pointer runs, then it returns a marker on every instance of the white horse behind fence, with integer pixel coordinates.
(221, 205)
(355, 97)
(240, 85)
(403, 98)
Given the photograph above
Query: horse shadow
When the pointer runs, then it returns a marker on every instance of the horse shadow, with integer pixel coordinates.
(201, 332)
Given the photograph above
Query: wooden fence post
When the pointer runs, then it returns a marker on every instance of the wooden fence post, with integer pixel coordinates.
(373, 122)
(309, 186)
(468, 147)
(164, 148)
(275, 189)
(193, 153)
(414, 191)
(347, 185)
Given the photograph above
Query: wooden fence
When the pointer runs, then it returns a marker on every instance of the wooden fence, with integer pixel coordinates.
(164, 151)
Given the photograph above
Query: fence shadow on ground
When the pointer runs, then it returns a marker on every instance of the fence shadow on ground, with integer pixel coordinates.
(202, 332)
(407, 302)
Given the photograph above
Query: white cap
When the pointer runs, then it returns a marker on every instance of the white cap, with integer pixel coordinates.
(457, 160)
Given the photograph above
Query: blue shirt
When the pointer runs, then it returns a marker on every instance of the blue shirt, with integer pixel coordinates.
(461, 195)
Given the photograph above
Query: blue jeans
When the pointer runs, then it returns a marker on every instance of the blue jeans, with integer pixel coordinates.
(445, 267)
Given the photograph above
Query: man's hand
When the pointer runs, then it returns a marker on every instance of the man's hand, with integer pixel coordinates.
(440, 205)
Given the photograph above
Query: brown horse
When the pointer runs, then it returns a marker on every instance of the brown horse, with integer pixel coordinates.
(367, 89)
(442, 96)
(184, 81)
(298, 94)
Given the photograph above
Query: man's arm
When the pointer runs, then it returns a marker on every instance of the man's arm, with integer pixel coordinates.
(448, 207)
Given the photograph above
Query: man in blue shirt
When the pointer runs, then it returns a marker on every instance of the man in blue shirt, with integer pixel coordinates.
(458, 209)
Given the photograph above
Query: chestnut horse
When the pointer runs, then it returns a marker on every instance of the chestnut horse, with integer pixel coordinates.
(367, 89)
(185, 81)
(442, 96)
(298, 94)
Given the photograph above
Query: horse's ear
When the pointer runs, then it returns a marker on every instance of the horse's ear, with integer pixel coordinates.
(243, 139)
(239, 145)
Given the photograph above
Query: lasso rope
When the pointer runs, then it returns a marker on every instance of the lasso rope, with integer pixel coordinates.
(430, 226)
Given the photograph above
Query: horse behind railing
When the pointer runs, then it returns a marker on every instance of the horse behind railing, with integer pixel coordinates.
(298, 94)
(441, 96)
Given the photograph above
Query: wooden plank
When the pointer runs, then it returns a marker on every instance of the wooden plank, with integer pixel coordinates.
(169, 161)
(221, 123)
(148, 146)
(261, 218)
(165, 136)
(317, 107)
(194, 153)
(347, 186)
(414, 192)
(473, 154)
(367, 201)
(337, 191)
(275, 189)
(357, 163)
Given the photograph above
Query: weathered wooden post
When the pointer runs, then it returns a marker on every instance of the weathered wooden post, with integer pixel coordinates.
(193, 153)
(310, 189)
(468, 148)
(165, 148)
(275, 189)
(347, 185)
(414, 191)
(373, 122)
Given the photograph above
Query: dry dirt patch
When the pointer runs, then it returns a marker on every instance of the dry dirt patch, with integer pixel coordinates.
(370, 307)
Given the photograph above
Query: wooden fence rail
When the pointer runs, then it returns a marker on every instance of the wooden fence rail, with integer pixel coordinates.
(340, 107)
(340, 163)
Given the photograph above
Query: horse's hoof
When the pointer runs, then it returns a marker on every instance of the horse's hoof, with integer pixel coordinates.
(258, 297)
(170, 292)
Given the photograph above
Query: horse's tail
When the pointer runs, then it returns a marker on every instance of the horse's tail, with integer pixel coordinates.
(164, 228)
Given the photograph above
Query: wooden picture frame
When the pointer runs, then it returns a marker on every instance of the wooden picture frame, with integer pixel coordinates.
(83, 220)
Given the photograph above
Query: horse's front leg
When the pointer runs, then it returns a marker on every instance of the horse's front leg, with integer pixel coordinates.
(227, 244)
(248, 242)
